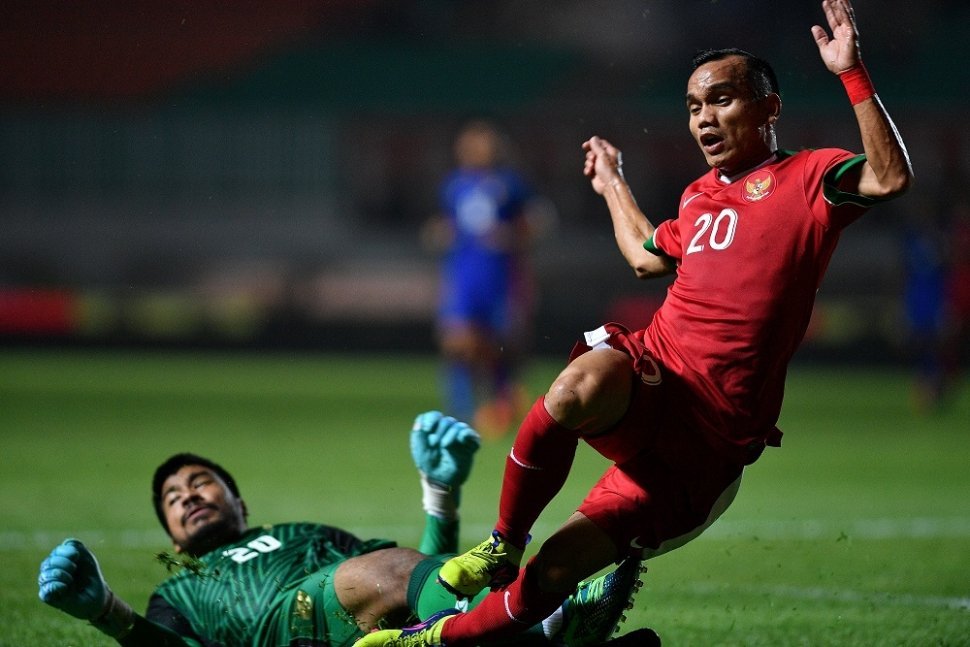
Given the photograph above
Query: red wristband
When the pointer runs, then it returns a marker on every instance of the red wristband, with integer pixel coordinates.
(857, 83)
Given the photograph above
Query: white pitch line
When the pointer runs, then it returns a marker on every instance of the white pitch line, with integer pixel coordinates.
(918, 528)
(831, 595)
(44, 540)
(812, 529)
(724, 529)
(885, 528)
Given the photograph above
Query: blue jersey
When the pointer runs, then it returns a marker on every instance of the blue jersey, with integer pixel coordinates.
(926, 281)
(481, 267)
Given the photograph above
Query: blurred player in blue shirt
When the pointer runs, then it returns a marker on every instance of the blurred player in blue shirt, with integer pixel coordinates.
(486, 303)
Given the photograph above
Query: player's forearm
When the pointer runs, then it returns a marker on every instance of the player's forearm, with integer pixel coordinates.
(145, 633)
(116, 619)
(631, 229)
(120, 622)
(888, 171)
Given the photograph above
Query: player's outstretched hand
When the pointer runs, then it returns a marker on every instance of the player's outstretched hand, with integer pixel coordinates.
(443, 448)
(71, 580)
(604, 163)
(840, 51)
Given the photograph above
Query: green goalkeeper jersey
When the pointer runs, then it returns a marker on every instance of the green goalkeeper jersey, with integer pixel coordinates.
(246, 593)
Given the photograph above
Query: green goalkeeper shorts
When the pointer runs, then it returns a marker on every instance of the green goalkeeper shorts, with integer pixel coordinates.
(311, 616)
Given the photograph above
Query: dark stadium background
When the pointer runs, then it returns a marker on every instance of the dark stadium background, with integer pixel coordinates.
(251, 174)
(225, 175)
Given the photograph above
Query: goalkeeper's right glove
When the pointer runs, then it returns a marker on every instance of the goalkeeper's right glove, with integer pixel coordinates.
(71, 580)
(443, 448)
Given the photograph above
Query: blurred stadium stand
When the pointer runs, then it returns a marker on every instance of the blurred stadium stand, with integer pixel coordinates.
(254, 174)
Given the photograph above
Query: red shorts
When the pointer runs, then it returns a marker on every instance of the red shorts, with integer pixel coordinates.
(669, 483)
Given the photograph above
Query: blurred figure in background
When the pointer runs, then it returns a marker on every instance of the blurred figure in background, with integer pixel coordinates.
(487, 224)
(925, 306)
(959, 352)
(936, 301)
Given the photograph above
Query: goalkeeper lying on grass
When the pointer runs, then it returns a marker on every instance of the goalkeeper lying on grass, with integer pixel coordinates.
(303, 584)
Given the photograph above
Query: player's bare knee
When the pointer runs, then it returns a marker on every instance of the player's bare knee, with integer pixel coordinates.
(591, 393)
(566, 396)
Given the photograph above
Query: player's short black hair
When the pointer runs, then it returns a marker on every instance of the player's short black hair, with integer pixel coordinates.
(761, 76)
(175, 463)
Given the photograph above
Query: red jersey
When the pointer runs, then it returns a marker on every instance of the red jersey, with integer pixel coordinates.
(751, 255)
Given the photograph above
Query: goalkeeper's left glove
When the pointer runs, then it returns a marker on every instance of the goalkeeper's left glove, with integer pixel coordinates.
(70, 579)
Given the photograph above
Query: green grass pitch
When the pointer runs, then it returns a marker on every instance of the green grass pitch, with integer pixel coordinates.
(857, 532)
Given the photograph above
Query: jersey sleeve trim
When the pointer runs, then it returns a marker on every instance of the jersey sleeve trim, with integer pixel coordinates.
(651, 247)
(831, 181)
(661, 237)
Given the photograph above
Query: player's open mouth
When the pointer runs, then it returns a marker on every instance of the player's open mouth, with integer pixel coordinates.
(712, 144)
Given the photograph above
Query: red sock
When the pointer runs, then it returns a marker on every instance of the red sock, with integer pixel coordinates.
(535, 471)
(503, 613)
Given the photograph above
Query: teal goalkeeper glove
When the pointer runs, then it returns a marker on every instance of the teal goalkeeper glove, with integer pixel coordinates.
(443, 448)
(71, 580)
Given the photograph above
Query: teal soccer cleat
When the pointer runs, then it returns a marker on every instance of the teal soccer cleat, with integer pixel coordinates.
(592, 614)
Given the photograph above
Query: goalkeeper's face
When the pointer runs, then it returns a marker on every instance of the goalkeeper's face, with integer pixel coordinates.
(201, 512)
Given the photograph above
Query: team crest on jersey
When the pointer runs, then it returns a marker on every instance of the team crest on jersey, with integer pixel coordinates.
(758, 186)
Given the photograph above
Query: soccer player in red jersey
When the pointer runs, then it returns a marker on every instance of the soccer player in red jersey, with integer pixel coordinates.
(684, 405)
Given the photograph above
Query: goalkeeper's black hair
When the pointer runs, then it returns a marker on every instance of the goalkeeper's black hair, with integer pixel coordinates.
(174, 464)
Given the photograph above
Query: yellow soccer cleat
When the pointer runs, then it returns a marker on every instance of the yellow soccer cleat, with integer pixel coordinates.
(426, 634)
(493, 562)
